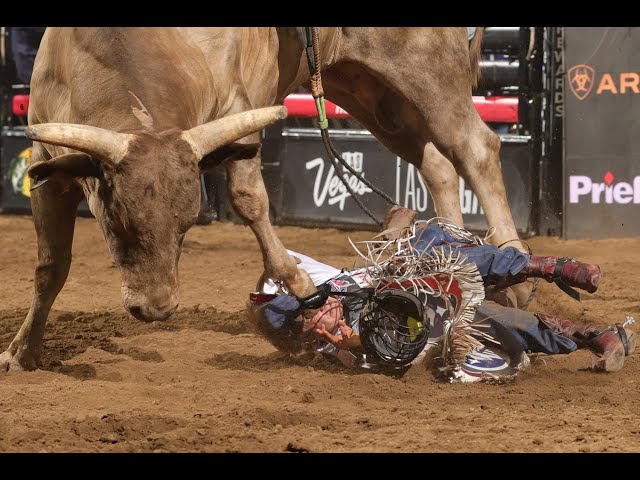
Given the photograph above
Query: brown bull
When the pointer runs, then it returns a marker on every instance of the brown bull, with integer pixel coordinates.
(128, 117)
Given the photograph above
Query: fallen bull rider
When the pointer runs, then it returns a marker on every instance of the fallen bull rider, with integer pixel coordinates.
(432, 292)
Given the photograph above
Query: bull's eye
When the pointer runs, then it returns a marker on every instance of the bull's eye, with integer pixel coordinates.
(148, 191)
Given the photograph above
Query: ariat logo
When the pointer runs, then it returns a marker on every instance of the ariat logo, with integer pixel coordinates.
(582, 79)
(607, 191)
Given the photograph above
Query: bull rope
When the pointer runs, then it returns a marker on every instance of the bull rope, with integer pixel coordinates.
(339, 163)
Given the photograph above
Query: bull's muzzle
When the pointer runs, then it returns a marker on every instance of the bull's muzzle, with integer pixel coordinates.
(149, 307)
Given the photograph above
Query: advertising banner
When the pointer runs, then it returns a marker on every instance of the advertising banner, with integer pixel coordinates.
(15, 194)
(601, 126)
(309, 192)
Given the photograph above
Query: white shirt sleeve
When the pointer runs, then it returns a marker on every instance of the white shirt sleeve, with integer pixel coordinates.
(319, 272)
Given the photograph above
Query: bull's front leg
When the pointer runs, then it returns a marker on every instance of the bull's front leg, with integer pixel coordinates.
(54, 207)
(249, 199)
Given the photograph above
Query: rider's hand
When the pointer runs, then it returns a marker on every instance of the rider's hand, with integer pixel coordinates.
(347, 340)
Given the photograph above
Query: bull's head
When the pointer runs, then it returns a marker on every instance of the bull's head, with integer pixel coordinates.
(144, 190)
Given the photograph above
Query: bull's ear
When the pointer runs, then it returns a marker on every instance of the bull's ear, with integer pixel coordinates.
(232, 151)
(75, 164)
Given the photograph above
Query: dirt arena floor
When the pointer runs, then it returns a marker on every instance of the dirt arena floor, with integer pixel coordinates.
(204, 381)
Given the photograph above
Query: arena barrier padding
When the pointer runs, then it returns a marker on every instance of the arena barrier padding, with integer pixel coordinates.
(304, 190)
(498, 109)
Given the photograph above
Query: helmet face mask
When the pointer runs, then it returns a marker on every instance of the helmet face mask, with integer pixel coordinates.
(393, 329)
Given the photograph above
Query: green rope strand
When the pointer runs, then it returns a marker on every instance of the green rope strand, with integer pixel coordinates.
(323, 122)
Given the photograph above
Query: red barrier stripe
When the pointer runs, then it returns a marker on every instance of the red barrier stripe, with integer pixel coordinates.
(303, 105)
(491, 109)
(497, 109)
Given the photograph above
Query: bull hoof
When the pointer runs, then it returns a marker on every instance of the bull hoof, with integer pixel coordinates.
(16, 363)
(303, 287)
(396, 221)
(205, 217)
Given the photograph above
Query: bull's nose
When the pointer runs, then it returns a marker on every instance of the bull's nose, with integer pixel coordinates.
(151, 314)
(136, 312)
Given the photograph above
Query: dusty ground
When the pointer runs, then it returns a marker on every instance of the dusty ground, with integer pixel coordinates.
(204, 381)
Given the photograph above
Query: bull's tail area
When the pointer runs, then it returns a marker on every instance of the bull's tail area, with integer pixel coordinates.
(474, 55)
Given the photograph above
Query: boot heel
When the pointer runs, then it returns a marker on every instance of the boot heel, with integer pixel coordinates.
(612, 362)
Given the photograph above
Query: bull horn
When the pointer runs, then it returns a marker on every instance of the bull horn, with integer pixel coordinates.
(206, 138)
(102, 144)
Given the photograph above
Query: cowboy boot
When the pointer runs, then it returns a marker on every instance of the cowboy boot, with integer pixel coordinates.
(585, 276)
(563, 270)
(611, 343)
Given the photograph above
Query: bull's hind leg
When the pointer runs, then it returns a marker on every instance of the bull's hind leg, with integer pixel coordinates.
(399, 128)
(462, 143)
(429, 71)
(54, 206)
(442, 180)
(475, 152)
(249, 199)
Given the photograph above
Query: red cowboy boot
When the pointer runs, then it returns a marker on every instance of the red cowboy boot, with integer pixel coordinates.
(611, 343)
(575, 274)
(565, 272)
